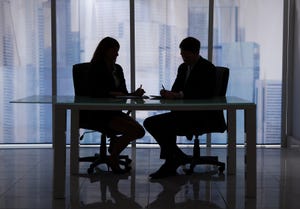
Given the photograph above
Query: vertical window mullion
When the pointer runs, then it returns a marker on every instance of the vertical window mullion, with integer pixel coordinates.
(132, 45)
(210, 48)
(210, 30)
(54, 61)
(53, 43)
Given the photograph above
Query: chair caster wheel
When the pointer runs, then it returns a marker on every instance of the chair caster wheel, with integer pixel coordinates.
(90, 171)
(188, 171)
(221, 169)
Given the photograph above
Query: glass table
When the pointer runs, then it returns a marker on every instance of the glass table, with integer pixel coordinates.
(61, 104)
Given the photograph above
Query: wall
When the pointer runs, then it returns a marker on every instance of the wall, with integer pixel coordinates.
(295, 113)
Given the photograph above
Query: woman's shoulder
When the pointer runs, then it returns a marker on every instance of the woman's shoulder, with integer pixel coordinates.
(118, 67)
(119, 70)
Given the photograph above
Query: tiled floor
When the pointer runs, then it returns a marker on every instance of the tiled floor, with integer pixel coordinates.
(26, 182)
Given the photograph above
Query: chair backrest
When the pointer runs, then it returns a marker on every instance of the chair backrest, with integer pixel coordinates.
(216, 122)
(81, 78)
(222, 74)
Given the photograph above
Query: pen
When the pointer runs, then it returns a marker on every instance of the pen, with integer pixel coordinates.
(163, 86)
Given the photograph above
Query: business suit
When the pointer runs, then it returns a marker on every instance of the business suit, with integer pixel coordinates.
(101, 82)
(199, 84)
(106, 79)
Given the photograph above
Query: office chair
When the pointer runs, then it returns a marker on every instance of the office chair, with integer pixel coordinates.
(219, 126)
(81, 89)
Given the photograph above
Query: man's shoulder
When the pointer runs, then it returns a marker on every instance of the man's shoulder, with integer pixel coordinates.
(206, 62)
(182, 65)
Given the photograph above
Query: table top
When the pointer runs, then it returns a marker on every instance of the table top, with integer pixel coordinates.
(137, 103)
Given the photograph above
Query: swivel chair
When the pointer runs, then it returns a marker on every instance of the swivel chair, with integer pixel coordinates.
(219, 126)
(81, 89)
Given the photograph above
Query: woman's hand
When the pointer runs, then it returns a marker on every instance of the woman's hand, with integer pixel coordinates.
(170, 94)
(139, 92)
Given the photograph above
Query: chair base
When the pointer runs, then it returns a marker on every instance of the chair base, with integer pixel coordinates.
(197, 159)
(103, 158)
(97, 159)
(205, 160)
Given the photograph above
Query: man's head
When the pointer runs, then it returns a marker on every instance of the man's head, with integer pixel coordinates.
(189, 50)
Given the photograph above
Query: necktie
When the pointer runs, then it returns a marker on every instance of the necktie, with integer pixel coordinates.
(188, 73)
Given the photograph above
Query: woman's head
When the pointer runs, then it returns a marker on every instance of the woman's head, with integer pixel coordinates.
(107, 50)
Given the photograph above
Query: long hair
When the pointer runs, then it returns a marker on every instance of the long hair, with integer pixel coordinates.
(105, 44)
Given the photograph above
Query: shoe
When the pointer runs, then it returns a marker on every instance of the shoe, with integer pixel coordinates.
(125, 161)
(182, 160)
(128, 161)
(186, 159)
(164, 171)
(114, 165)
(111, 144)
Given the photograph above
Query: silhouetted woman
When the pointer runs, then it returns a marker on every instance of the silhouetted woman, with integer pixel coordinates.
(107, 80)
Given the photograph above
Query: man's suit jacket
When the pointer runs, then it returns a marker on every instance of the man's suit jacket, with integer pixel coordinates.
(200, 84)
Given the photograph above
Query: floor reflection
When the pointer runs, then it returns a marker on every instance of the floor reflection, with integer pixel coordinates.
(26, 182)
(108, 186)
(194, 196)
(181, 191)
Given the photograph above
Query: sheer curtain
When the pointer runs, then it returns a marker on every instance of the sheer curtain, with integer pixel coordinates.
(160, 26)
(81, 26)
(25, 70)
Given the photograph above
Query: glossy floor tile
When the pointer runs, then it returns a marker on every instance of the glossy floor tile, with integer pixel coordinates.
(26, 182)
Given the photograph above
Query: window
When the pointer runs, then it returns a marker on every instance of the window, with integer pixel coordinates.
(81, 26)
(25, 69)
(250, 45)
(160, 26)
